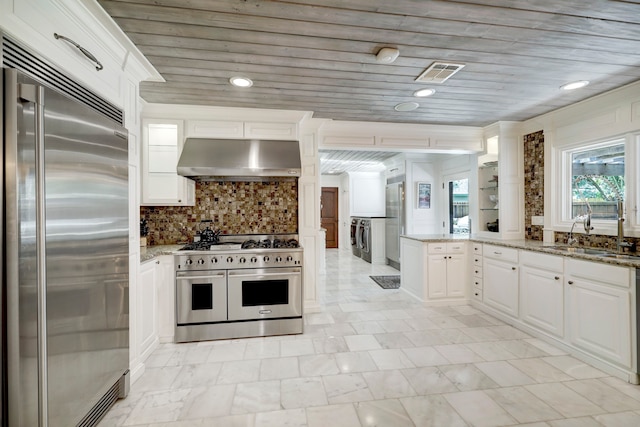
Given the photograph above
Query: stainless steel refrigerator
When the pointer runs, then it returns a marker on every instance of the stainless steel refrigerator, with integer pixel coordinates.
(65, 257)
(395, 220)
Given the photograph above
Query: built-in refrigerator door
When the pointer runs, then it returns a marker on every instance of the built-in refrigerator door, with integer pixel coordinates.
(67, 198)
(392, 223)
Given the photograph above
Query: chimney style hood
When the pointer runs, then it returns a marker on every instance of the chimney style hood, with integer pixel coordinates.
(239, 159)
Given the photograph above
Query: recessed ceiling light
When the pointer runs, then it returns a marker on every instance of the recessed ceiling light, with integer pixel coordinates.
(239, 81)
(406, 106)
(421, 93)
(575, 85)
(387, 55)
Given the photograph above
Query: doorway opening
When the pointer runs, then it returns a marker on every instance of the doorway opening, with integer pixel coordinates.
(329, 215)
(459, 206)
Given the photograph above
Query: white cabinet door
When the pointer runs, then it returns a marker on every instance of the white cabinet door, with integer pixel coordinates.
(437, 276)
(165, 281)
(456, 275)
(446, 274)
(146, 315)
(542, 299)
(162, 142)
(599, 319)
(267, 130)
(500, 285)
(215, 129)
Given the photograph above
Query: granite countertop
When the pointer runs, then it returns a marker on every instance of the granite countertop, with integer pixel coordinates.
(148, 253)
(531, 245)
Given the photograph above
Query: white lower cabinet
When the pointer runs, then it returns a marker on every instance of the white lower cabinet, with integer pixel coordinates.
(446, 270)
(500, 279)
(586, 307)
(599, 310)
(165, 283)
(542, 292)
(147, 309)
(435, 272)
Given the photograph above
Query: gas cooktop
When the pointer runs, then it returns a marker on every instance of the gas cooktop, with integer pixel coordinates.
(227, 243)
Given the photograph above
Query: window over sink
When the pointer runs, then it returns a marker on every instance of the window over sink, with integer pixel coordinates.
(598, 180)
(593, 176)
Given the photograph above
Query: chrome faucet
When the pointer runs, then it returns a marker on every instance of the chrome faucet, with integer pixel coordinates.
(621, 243)
(586, 223)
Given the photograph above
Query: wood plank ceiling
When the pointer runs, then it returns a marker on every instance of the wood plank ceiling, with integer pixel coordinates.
(319, 55)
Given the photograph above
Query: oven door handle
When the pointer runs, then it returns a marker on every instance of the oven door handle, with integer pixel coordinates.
(282, 273)
(217, 276)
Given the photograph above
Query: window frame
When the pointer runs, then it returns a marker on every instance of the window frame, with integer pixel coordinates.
(563, 200)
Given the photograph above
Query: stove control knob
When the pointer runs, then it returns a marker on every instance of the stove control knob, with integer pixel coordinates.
(229, 260)
(200, 261)
(242, 260)
(278, 258)
(265, 259)
(289, 258)
(189, 261)
(254, 259)
(214, 260)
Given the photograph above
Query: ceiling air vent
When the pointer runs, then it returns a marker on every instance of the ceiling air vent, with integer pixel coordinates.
(439, 72)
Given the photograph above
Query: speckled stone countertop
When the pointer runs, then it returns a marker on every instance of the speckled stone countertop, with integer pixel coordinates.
(532, 245)
(148, 253)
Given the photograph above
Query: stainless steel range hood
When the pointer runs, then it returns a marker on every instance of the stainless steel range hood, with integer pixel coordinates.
(239, 159)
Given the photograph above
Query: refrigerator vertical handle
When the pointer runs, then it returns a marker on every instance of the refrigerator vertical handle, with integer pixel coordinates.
(43, 414)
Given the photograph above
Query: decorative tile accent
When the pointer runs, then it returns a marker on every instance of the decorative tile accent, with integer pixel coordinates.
(234, 207)
(594, 240)
(533, 183)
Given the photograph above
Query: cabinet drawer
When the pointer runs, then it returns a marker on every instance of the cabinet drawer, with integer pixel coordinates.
(599, 272)
(477, 260)
(500, 252)
(477, 248)
(548, 262)
(477, 271)
(477, 283)
(476, 295)
(437, 248)
(455, 248)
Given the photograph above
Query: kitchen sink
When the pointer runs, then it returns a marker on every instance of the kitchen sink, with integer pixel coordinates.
(592, 251)
(574, 250)
(620, 256)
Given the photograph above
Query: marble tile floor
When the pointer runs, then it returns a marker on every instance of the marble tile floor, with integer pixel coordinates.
(376, 357)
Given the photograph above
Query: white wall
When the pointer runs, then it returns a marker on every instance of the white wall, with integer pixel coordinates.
(423, 221)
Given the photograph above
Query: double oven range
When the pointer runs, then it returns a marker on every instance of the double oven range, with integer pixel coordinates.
(239, 286)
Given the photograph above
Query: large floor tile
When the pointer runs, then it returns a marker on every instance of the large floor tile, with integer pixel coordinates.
(432, 411)
(375, 357)
(478, 409)
(388, 412)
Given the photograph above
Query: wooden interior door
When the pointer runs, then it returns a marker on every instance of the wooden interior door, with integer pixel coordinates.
(329, 215)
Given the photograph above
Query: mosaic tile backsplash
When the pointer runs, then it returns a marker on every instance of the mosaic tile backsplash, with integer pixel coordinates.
(533, 183)
(595, 240)
(234, 208)
(534, 199)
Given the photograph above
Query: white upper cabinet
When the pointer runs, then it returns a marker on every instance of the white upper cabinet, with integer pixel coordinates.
(162, 142)
(381, 136)
(235, 129)
(33, 24)
(500, 183)
(367, 194)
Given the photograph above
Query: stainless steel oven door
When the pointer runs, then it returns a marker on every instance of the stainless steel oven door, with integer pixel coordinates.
(265, 293)
(201, 297)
